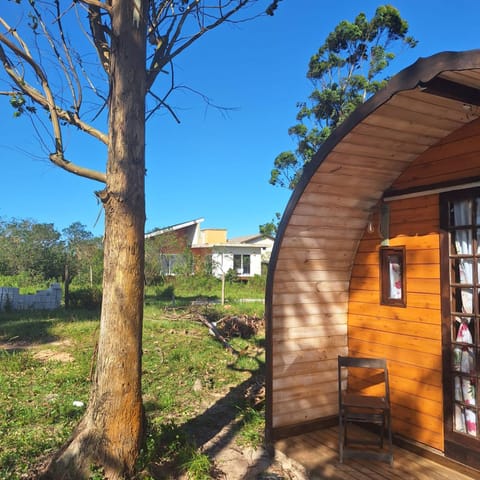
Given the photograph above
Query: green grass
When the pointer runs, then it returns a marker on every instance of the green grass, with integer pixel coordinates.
(183, 291)
(188, 377)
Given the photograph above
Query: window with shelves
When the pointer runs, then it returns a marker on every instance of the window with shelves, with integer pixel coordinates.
(461, 252)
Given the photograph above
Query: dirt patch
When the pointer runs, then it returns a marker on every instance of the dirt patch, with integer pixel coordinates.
(52, 355)
(39, 353)
(234, 462)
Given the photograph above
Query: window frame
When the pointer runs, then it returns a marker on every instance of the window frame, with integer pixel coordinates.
(386, 255)
(242, 263)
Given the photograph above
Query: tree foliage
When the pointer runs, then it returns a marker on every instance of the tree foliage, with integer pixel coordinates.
(33, 250)
(38, 252)
(346, 70)
(270, 228)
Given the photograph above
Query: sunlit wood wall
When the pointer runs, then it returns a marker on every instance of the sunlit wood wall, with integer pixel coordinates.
(410, 338)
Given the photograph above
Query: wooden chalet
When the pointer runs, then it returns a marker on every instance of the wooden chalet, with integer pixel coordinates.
(378, 255)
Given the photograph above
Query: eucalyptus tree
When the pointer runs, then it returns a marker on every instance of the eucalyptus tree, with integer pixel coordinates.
(47, 70)
(82, 251)
(346, 70)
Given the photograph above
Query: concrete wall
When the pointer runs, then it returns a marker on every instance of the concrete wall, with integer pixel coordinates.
(49, 299)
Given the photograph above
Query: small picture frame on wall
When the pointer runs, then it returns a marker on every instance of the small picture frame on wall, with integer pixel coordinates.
(392, 276)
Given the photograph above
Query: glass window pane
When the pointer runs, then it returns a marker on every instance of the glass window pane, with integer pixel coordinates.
(395, 277)
(462, 213)
(464, 271)
(237, 262)
(462, 300)
(465, 333)
(246, 264)
(459, 424)
(471, 421)
(462, 239)
(392, 271)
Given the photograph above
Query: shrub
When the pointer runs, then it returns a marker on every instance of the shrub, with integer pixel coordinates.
(166, 293)
(88, 297)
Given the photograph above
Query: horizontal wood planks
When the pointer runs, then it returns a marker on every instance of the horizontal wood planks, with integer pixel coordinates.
(325, 294)
(461, 149)
(410, 338)
(317, 453)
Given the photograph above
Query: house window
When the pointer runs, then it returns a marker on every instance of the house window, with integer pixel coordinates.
(241, 264)
(175, 263)
(167, 264)
(392, 276)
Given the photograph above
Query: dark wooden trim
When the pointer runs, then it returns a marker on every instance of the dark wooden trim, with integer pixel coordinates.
(445, 314)
(305, 427)
(436, 456)
(391, 194)
(384, 254)
(464, 456)
(446, 88)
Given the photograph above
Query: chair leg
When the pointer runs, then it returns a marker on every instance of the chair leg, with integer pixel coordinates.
(341, 438)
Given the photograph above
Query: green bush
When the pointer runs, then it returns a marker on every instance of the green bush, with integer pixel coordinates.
(88, 297)
(165, 293)
(27, 283)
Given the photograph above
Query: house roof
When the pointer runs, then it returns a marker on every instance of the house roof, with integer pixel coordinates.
(172, 228)
(421, 105)
(227, 246)
(250, 238)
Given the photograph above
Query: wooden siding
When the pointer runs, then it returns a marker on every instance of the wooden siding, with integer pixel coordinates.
(410, 338)
(324, 267)
(310, 303)
(315, 292)
(461, 150)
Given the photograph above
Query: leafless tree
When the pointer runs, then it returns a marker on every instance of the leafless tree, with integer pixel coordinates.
(51, 75)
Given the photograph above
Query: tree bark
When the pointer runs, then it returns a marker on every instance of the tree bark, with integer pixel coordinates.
(110, 434)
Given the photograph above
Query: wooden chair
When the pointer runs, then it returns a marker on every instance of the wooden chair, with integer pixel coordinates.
(367, 401)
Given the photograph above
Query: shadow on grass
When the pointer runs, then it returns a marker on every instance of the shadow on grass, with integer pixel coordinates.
(18, 330)
(180, 301)
(214, 431)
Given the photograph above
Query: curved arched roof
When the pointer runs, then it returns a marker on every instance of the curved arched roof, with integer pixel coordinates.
(307, 295)
(325, 218)
(363, 156)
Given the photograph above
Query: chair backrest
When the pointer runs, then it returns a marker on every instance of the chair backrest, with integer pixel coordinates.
(368, 380)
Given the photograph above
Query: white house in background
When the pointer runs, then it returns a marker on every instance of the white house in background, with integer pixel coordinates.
(259, 240)
(244, 255)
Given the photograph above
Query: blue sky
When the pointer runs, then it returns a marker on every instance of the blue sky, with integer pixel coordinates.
(214, 164)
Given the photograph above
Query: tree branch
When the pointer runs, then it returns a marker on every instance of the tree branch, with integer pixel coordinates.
(164, 55)
(99, 39)
(48, 103)
(45, 101)
(59, 160)
(95, 3)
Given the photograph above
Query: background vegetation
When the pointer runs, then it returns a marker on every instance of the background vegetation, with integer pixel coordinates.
(192, 385)
(33, 255)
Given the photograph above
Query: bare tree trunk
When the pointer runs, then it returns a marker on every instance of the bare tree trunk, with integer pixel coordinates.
(110, 433)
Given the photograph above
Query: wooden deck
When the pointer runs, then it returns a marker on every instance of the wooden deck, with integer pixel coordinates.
(317, 452)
